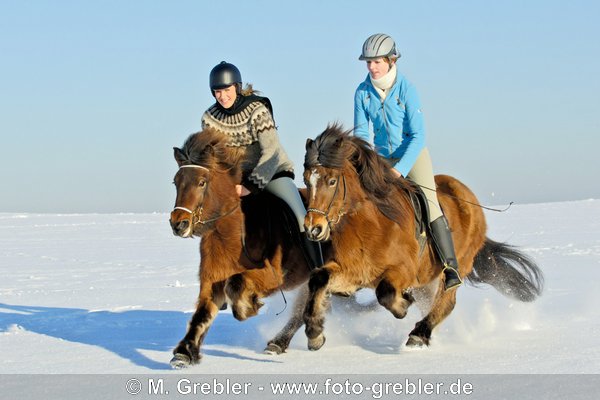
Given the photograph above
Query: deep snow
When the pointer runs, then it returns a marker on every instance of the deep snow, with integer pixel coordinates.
(112, 293)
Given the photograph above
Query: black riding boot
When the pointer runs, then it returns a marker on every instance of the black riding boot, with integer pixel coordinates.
(312, 252)
(442, 238)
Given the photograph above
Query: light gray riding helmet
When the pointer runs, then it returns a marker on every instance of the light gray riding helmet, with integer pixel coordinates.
(377, 46)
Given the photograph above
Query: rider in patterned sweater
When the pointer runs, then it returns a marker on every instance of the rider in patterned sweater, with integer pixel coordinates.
(247, 119)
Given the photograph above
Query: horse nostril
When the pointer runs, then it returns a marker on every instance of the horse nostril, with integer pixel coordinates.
(182, 225)
(316, 231)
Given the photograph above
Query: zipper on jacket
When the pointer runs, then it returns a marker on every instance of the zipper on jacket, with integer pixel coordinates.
(387, 128)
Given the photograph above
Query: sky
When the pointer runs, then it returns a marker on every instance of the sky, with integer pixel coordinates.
(94, 95)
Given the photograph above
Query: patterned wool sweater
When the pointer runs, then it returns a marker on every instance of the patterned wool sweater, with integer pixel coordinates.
(253, 131)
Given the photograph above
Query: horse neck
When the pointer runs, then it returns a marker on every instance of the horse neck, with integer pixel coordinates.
(225, 233)
(397, 198)
(228, 229)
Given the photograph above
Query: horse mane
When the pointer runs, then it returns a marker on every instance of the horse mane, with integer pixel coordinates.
(208, 148)
(336, 146)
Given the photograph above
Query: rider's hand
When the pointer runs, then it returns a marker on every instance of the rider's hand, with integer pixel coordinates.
(398, 174)
(241, 190)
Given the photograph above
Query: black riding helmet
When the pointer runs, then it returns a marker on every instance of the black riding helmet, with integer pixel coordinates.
(224, 75)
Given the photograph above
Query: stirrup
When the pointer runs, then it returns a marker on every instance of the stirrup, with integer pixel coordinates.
(454, 281)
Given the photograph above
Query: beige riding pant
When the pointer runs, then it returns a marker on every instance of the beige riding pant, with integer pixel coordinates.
(286, 190)
(422, 174)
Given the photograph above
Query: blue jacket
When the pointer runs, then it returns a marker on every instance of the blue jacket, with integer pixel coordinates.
(398, 128)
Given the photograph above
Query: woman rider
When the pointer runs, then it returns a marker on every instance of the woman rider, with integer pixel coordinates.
(390, 103)
(247, 119)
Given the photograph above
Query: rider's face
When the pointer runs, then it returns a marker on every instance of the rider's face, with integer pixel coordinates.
(378, 67)
(226, 97)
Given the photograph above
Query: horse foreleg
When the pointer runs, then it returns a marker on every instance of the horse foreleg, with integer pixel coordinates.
(391, 293)
(322, 282)
(187, 351)
(245, 301)
(442, 306)
(281, 341)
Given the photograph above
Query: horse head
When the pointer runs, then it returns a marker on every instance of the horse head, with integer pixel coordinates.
(205, 183)
(325, 164)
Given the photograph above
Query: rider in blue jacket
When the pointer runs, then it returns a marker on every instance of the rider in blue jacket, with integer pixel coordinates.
(389, 102)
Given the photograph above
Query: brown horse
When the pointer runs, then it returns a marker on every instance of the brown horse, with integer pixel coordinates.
(357, 203)
(249, 248)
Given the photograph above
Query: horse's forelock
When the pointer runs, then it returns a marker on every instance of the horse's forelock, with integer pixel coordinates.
(325, 149)
(206, 148)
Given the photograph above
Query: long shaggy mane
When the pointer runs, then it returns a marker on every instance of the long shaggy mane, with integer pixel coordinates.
(335, 147)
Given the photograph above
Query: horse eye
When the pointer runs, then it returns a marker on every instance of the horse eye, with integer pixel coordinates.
(202, 184)
(332, 182)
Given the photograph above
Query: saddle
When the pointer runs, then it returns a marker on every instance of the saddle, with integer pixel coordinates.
(420, 207)
(265, 217)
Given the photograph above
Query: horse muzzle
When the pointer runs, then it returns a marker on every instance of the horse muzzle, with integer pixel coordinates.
(181, 225)
(317, 232)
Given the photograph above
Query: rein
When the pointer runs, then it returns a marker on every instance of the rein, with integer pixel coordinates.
(340, 213)
(197, 215)
(469, 202)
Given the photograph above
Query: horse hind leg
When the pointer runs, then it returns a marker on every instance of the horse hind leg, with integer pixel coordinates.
(281, 341)
(245, 302)
(443, 305)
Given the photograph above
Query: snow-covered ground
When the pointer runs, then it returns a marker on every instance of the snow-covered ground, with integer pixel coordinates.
(112, 293)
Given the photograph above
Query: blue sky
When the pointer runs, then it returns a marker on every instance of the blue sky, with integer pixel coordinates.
(94, 95)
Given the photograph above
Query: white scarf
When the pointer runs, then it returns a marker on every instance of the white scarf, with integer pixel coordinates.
(383, 84)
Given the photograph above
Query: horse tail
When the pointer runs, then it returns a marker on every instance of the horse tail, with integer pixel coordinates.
(508, 270)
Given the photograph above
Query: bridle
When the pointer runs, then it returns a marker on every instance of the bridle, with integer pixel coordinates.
(197, 219)
(197, 213)
(340, 213)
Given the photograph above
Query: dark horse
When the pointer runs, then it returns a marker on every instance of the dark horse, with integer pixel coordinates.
(366, 211)
(249, 250)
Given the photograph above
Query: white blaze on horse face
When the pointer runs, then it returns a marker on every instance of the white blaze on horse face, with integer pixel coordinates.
(313, 179)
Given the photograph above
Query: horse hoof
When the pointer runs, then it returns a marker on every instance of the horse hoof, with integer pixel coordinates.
(417, 342)
(399, 314)
(180, 361)
(316, 343)
(273, 349)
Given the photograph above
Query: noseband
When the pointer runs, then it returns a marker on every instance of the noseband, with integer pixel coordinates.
(197, 213)
(340, 213)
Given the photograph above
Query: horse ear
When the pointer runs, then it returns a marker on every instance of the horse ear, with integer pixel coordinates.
(309, 143)
(179, 155)
(210, 149)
